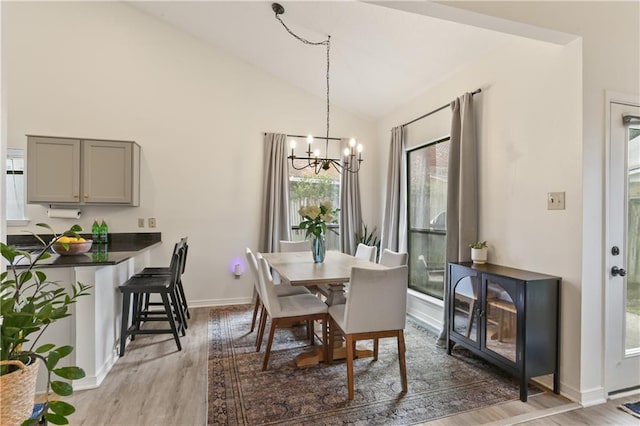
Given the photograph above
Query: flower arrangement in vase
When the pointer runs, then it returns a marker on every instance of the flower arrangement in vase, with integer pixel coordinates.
(315, 219)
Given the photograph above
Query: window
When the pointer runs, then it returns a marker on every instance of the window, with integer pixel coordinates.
(307, 188)
(15, 184)
(427, 168)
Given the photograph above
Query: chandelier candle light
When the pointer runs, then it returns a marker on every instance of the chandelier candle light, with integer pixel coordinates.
(352, 155)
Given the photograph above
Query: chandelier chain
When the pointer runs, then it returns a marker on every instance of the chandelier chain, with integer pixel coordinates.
(353, 157)
(327, 43)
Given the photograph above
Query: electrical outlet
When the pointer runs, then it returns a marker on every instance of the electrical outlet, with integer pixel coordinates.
(152, 222)
(140, 222)
(555, 200)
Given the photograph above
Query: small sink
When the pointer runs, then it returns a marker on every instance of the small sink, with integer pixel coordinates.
(30, 248)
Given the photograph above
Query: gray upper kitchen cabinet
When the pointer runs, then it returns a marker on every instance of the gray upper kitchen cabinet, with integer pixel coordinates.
(82, 171)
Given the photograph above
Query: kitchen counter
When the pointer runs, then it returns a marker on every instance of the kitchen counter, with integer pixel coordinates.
(121, 247)
(94, 327)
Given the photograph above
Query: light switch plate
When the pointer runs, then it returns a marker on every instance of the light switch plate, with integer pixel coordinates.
(555, 200)
(140, 222)
(152, 222)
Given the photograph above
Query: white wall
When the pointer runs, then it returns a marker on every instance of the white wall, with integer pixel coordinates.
(610, 34)
(106, 70)
(528, 127)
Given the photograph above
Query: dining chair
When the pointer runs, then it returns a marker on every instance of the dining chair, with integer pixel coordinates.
(288, 310)
(391, 258)
(366, 252)
(372, 291)
(293, 246)
(281, 290)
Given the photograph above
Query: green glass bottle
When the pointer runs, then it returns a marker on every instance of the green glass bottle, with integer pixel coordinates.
(104, 233)
(95, 232)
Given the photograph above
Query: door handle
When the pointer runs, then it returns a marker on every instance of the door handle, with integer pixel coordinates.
(615, 271)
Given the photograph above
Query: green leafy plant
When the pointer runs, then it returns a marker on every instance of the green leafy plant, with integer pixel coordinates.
(368, 238)
(315, 218)
(29, 304)
(478, 245)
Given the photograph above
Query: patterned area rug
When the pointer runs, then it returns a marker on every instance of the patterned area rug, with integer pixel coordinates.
(632, 408)
(239, 393)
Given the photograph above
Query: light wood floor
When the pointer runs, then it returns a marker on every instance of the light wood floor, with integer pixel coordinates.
(154, 384)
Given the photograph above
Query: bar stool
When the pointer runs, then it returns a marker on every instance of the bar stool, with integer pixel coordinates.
(182, 248)
(144, 286)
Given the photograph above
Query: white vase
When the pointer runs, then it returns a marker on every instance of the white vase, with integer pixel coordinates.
(479, 255)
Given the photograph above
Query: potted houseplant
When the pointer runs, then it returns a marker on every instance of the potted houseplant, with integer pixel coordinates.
(314, 221)
(479, 252)
(29, 304)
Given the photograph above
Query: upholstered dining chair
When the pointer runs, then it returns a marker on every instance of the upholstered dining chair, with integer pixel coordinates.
(281, 290)
(293, 246)
(288, 310)
(372, 291)
(391, 258)
(366, 252)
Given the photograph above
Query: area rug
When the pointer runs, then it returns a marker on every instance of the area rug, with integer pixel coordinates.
(239, 393)
(632, 408)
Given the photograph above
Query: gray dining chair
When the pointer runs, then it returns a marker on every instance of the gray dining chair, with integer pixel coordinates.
(372, 291)
(288, 310)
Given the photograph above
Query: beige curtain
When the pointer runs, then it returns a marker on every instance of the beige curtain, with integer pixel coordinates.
(275, 224)
(462, 189)
(350, 211)
(394, 225)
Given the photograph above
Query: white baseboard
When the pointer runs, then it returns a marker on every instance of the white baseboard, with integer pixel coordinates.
(92, 382)
(425, 309)
(220, 302)
(594, 396)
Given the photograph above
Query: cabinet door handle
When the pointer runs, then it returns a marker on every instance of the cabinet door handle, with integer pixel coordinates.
(86, 195)
(75, 195)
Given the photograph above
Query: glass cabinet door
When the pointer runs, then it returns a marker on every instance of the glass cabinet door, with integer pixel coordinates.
(465, 312)
(501, 320)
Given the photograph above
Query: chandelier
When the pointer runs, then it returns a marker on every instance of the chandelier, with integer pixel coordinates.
(352, 154)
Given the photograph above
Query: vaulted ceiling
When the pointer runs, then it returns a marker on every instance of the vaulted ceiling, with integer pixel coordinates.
(381, 57)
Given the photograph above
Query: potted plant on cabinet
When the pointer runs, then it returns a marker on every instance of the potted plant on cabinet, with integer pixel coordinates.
(29, 304)
(479, 252)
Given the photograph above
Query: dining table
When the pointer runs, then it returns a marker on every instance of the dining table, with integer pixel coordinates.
(327, 278)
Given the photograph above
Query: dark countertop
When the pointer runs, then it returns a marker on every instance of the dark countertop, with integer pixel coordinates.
(121, 247)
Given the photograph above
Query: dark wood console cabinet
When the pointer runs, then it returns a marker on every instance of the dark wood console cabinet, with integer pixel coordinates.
(507, 316)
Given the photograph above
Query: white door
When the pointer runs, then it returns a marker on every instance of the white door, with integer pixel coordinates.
(622, 353)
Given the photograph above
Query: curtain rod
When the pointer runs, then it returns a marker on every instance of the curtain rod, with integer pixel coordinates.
(628, 118)
(475, 92)
(315, 137)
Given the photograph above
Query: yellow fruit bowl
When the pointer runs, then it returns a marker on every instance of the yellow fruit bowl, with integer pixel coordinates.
(72, 247)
